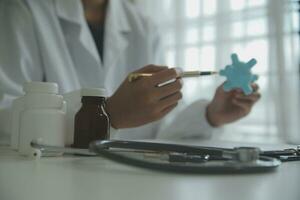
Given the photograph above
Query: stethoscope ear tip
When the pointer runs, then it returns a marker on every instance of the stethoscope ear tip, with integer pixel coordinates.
(35, 154)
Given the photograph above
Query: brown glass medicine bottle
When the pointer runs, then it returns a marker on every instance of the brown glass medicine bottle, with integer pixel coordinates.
(91, 121)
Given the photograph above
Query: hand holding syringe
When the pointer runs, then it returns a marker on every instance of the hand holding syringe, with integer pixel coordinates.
(182, 74)
(185, 74)
(238, 75)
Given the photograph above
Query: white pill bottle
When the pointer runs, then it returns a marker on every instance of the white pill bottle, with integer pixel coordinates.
(43, 116)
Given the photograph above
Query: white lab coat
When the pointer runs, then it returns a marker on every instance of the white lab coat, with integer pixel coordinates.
(49, 40)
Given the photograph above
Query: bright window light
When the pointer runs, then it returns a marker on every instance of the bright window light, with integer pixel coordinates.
(237, 30)
(209, 33)
(167, 4)
(258, 49)
(256, 3)
(192, 8)
(192, 58)
(263, 82)
(192, 35)
(209, 7)
(208, 57)
(295, 22)
(238, 48)
(170, 58)
(257, 27)
(237, 4)
(169, 38)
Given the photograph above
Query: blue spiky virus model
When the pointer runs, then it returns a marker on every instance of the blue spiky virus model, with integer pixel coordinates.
(239, 75)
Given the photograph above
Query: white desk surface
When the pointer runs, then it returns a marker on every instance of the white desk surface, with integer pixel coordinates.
(77, 178)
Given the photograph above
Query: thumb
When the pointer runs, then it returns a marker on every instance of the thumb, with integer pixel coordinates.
(151, 69)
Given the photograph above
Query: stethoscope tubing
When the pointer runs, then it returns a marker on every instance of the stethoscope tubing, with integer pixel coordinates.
(102, 148)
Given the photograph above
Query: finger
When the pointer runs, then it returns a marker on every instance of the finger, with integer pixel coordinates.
(253, 97)
(151, 69)
(170, 100)
(169, 89)
(164, 76)
(255, 87)
(168, 109)
(245, 105)
(164, 112)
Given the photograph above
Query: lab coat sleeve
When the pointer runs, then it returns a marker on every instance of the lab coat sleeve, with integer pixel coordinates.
(19, 55)
(188, 123)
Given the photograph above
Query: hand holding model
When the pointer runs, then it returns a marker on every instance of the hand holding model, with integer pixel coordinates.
(238, 94)
(227, 107)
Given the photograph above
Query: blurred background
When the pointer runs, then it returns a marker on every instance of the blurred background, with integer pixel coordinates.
(202, 34)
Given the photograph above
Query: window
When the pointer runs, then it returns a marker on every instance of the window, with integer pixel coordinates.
(201, 34)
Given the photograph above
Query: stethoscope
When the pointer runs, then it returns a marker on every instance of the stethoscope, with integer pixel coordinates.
(177, 157)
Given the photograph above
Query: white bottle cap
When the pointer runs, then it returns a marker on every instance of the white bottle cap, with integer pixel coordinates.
(93, 92)
(40, 87)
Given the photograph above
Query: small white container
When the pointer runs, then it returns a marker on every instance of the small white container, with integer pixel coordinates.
(73, 100)
(39, 115)
(17, 107)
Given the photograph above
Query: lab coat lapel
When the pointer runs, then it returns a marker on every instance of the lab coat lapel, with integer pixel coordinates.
(88, 42)
(72, 13)
(116, 34)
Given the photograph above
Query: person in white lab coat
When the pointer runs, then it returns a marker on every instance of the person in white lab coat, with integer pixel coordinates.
(54, 41)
